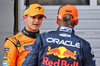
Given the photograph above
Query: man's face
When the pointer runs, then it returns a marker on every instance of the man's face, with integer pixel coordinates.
(33, 23)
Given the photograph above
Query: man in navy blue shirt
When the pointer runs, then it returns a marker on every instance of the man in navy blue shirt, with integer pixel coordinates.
(61, 47)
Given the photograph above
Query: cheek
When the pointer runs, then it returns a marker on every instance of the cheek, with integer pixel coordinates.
(40, 23)
(30, 21)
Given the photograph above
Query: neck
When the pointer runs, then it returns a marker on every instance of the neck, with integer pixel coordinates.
(29, 33)
(67, 26)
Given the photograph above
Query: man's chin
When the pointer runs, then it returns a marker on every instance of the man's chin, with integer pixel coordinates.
(35, 30)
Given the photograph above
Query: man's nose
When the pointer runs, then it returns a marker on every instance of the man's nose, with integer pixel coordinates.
(36, 19)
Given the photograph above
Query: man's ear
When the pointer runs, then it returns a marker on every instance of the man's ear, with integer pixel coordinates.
(77, 22)
(24, 17)
(57, 20)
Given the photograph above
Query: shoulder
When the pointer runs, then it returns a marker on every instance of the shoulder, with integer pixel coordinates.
(46, 34)
(49, 33)
(80, 38)
(15, 37)
(84, 42)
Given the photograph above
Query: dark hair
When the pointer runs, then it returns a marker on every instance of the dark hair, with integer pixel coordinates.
(26, 15)
(27, 7)
(67, 22)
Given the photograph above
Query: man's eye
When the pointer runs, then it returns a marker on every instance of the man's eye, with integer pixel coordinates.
(33, 17)
(40, 17)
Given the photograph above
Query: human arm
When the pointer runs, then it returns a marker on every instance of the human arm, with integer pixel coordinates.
(9, 53)
(88, 55)
(32, 57)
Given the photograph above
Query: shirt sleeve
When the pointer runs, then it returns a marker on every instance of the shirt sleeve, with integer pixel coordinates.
(9, 54)
(88, 55)
(32, 57)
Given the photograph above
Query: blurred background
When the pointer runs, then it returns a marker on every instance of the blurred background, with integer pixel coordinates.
(11, 20)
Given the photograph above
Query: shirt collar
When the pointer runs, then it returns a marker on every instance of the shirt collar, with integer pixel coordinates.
(30, 34)
(65, 29)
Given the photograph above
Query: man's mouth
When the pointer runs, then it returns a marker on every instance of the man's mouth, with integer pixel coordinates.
(36, 25)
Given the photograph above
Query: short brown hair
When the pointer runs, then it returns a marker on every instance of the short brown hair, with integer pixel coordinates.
(67, 22)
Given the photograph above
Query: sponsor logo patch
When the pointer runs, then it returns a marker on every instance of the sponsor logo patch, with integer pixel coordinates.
(68, 11)
(60, 62)
(6, 49)
(28, 47)
(5, 54)
(5, 59)
(64, 35)
(28, 42)
(61, 52)
(5, 63)
(64, 42)
(66, 29)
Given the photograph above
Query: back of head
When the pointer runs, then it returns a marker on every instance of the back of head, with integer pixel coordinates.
(67, 16)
